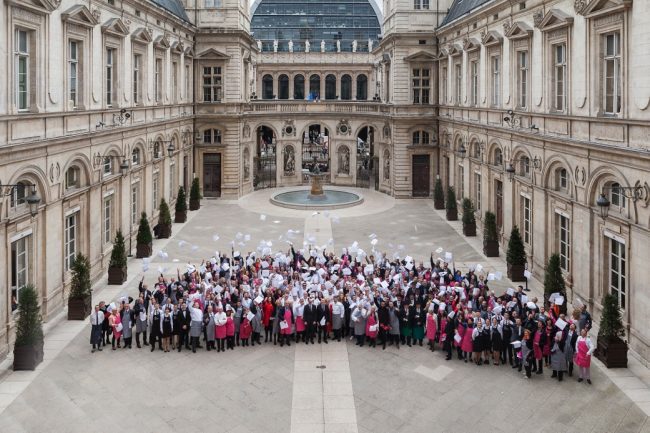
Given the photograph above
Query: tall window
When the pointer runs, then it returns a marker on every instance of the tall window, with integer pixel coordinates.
(212, 84)
(72, 178)
(362, 87)
(18, 195)
(477, 184)
(135, 156)
(172, 179)
(421, 85)
(444, 85)
(564, 241)
(135, 195)
(458, 72)
(175, 81)
(461, 181)
(137, 77)
(495, 65)
(612, 73)
(618, 271)
(108, 165)
(562, 179)
(188, 80)
(73, 72)
(70, 239)
(158, 80)
(559, 76)
(616, 196)
(110, 75)
(299, 87)
(527, 218)
(346, 87)
(474, 82)
(19, 268)
(330, 87)
(283, 87)
(522, 78)
(108, 207)
(154, 190)
(22, 69)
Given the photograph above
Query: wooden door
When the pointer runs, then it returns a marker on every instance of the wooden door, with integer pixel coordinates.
(421, 171)
(212, 175)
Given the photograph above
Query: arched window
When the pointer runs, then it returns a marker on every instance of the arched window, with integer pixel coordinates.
(108, 165)
(267, 87)
(72, 177)
(136, 158)
(330, 87)
(212, 136)
(346, 87)
(299, 87)
(616, 196)
(420, 138)
(157, 150)
(476, 150)
(283, 87)
(18, 194)
(362, 87)
(498, 157)
(525, 166)
(561, 179)
(314, 87)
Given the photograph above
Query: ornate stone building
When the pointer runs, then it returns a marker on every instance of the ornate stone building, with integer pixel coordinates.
(108, 106)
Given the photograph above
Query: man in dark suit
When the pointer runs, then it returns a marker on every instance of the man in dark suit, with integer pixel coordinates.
(450, 329)
(184, 320)
(310, 316)
(323, 312)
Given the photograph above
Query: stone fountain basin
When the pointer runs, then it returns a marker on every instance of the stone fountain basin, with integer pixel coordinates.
(302, 199)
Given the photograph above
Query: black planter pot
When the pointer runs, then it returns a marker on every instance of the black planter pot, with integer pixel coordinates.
(469, 229)
(439, 204)
(116, 276)
(491, 248)
(143, 250)
(612, 352)
(195, 204)
(516, 272)
(79, 308)
(165, 231)
(28, 357)
(180, 217)
(452, 214)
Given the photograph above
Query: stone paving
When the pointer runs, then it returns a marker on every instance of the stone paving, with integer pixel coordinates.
(273, 389)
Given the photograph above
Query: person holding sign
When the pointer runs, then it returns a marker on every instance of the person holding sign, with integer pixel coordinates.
(286, 314)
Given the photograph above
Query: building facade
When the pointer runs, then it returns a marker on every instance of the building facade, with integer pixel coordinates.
(532, 109)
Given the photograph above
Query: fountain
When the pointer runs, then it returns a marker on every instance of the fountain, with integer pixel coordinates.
(316, 197)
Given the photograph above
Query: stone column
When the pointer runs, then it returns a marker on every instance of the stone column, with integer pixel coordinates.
(338, 86)
(275, 85)
(354, 87)
(322, 86)
(291, 86)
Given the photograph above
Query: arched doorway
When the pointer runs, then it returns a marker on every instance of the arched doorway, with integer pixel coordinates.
(315, 148)
(365, 157)
(265, 160)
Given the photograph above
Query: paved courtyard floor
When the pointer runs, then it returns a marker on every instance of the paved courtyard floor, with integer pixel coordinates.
(271, 389)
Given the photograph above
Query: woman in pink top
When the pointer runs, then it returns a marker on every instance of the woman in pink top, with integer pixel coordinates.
(431, 328)
(467, 345)
(115, 322)
(230, 329)
(372, 326)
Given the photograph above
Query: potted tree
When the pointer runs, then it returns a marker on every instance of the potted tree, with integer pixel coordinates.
(554, 280)
(516, 256)
(195, 195)
(452, 210)
(117, 266)
(181, 206)
(438, 195)
(469, 219)
(144, 239)
(611, 349)
(164, 220)
(80, 299)
(28, 347)
(490, 235)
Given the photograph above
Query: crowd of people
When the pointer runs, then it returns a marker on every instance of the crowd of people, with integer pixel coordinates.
(311, 295)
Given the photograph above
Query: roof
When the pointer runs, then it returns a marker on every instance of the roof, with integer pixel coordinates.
(460, 8)
(173, 6)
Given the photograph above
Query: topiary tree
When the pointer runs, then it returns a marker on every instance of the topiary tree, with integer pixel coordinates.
(450, 203)
(181, 200)
(516, 254)
(144, 231)
(438, 195)
(490, 232)
(118, 255)
(468, 212)
(611, 320)
(164, 217)
(29, 329)
(553, 278)
(81, 287)
(195, 194)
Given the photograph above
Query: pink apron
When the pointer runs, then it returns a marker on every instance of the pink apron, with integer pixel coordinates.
(300, 324)
(431, 327)
(116, 321)
(582, 358)
(537, 350)
(371, 322)
(230, 327)
(287, 318)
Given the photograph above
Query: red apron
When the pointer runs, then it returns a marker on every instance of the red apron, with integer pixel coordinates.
(582, 358)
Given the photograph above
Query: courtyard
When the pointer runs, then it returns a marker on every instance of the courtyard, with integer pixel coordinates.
(316, 388)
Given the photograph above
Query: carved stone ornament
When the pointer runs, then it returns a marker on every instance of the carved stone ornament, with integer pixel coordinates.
(97, 14)
(538, 17)
(343, 128)
(386, 130)
(150, 31)
(580, 6)
(506, 26)
(246, 132)
(289, 129)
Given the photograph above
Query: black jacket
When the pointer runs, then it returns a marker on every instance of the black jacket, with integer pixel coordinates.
(323, 311)
(310, 314)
